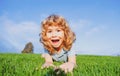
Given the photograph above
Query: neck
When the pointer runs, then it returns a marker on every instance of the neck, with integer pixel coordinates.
(58, 49)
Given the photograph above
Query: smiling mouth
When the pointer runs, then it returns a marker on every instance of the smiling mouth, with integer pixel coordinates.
(55, 41)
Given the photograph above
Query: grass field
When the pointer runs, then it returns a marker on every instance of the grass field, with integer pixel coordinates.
(30, 65)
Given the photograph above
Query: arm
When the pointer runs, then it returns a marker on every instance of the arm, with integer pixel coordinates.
(70, 65)
(72, 54)
(47, 57)
(72, 59)
(48, 61)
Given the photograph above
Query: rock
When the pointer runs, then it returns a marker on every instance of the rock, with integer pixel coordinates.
(28, 48)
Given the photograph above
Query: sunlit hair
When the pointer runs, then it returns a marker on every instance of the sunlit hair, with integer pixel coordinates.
(59, 21)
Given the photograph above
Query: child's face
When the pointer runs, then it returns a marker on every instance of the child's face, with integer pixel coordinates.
(55, 36)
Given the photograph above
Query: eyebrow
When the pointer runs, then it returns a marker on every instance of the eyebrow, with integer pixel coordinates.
(55, 28)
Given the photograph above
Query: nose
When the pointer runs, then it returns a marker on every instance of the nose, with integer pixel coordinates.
(54, 34)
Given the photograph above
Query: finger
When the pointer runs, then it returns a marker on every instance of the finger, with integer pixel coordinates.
(47, 66)
(44, 66)
(70, 69)
(62, 66)
(66, 70)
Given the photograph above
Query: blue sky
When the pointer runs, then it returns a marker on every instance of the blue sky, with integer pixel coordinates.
(96, 24)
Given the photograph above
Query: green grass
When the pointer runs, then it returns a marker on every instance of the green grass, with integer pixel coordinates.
(30, 65)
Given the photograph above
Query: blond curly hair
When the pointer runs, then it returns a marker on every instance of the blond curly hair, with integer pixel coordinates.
(56, 20)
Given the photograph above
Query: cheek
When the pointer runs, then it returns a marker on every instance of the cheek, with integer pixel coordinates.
(48, 35)
(61, 35)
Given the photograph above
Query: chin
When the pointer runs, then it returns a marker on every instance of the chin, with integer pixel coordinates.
(55, 46)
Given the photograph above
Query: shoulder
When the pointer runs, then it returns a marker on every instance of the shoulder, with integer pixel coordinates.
(73, 50)
(73, 47)
(45, 51)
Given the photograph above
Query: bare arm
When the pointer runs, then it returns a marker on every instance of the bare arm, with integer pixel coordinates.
(47, 57)
(48, 61)
(70, 65)
(72, 59)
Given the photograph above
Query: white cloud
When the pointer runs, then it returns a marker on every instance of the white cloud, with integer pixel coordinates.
(18, 34)
(94, 30)
(87, 27)
(79, 25)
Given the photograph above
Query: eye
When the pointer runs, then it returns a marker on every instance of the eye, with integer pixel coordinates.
(49, 31)
(58, 30)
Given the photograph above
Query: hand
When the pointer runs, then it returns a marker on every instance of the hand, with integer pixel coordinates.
(67, 67)
(47, 65)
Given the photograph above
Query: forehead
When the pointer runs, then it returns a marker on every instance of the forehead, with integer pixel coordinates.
(53, 27)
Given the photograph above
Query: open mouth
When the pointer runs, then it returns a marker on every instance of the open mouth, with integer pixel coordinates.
(55, 41)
